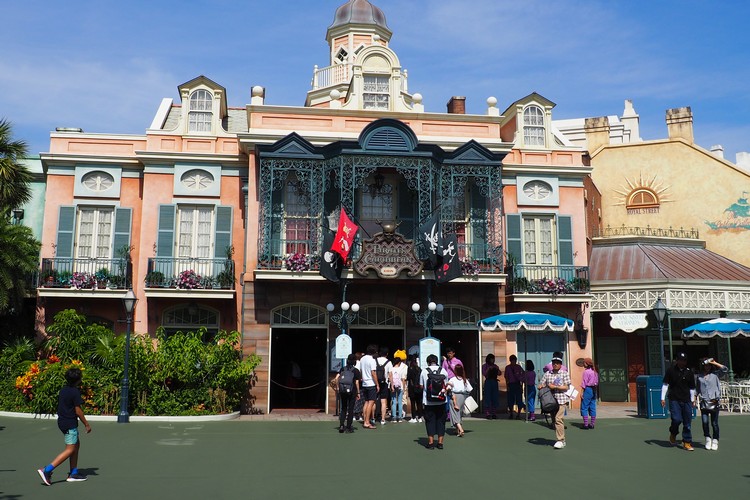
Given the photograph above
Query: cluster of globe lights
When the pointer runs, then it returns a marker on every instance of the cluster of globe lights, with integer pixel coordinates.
(345, 306)
(432, 307)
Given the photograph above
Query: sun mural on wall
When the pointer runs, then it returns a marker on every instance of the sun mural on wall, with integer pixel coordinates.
(642, 195)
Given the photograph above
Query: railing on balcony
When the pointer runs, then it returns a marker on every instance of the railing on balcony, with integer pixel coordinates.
(551, 280)
(190, 273)
(85, 273)
(662, 232)
(476, 258)
(331, 75)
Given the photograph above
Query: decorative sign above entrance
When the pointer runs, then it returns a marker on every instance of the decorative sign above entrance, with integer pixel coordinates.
(628, 322)
(389, 254)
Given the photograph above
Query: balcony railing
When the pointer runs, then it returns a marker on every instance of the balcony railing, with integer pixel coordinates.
(478, 257)
(551, 280)
(661, 232)
(85, 273)
(331, 75)
(190, 273)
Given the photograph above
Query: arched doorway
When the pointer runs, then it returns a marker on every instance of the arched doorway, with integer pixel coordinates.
(298, 357)
(378, 324)
(456, 327)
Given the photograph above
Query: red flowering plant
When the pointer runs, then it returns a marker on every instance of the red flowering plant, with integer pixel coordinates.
(470, 268)
(189, 280)
(82, 280)
(552, 286)
(297, 262)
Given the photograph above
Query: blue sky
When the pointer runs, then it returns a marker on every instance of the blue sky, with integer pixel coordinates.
(105, 65)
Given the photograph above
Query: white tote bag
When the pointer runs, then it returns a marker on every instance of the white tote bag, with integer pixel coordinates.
(470, 406)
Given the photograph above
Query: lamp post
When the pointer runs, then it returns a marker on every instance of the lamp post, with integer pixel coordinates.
(427, 318)
(348, 311)
(129, 302)
(660, 313)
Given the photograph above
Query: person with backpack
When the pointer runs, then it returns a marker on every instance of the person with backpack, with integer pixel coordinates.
(413, 375)
(397, 380)
(382, 367)
(347, 381)
(558, 382)
(432, 382)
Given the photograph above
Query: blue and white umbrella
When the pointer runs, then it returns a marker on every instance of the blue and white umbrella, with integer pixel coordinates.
(719, 327)
(524, 320)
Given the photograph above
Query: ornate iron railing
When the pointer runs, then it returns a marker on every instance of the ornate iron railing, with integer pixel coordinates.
(190, 273)
(548, 279)
(669, 232)
(61, 272)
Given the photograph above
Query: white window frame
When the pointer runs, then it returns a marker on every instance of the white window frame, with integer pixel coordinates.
(534, 129)
(192, 247)
(100, 246)
(200, 111)
(377, 96)
(538, 250)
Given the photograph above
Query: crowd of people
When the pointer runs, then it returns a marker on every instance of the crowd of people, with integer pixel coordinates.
(375, 388)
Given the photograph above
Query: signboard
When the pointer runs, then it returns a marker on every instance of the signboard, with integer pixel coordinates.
(388, 254)
(427, 346)
(628, 322)
(343, 346)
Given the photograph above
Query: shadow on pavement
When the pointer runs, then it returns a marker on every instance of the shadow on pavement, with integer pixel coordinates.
(659, 442)
(542, 441)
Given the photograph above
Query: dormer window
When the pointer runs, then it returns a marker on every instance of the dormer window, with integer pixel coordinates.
(533, 126)
(377, 92)
(200, 111)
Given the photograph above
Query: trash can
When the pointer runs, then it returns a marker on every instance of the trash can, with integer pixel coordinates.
(648, 394)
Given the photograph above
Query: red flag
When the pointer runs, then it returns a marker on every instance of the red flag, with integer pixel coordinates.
(342, 244)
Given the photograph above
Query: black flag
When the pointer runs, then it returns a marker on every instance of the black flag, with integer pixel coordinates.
(449, 266)
(330, 261)
(431, 238)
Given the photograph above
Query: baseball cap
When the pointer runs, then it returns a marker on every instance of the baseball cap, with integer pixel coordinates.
(557, 359)
(681, 355)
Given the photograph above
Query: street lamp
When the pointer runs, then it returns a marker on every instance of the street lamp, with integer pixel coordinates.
(129, 302)
(347, 314)
(660, 312)
(427, 318)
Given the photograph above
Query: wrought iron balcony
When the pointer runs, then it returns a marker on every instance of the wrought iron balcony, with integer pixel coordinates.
(85, 273)
(552, 280)
(190, 273)
(475, 258)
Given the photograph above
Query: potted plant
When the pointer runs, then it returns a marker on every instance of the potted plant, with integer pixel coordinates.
(64, 278)
(297, 262)
(188, 280)
(154, 279)
(470, 268)
(102, 277)
(49, 278)
(82, 280)
(225, 279)
(116, 281)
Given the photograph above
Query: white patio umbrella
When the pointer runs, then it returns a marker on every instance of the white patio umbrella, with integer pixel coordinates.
(719, 327)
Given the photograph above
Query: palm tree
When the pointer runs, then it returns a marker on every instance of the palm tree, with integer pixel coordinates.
(14, 176)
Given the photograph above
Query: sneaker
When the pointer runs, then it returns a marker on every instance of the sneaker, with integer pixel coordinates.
(421, 419)
(430, 446)
(382, 422)
(688, 446)
(413, 421)
(75, 477)
(559, 445)
(440, 446)
(715, 444)
(709, 444)
(349, 430)
(673, 439)
(341, 429)
(46, 476)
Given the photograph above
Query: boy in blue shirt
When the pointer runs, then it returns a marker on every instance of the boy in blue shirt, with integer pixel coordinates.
(68, 413)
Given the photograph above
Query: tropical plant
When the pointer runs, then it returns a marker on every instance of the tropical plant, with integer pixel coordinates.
(155, 278)
(15, 353)
(14, 176)
(19, 258)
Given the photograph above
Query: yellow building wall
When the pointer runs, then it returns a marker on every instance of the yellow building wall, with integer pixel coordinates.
(695, 190)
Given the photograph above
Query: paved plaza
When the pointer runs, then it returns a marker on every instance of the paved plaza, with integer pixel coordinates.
(276, 458)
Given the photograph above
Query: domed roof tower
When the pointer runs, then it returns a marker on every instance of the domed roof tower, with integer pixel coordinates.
(358, 12)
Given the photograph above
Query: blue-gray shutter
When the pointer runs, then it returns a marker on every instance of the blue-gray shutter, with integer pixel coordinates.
(565, 245)
(121, 237)
(165, 232)
(513, 237)
(66, 224)
(223, 236)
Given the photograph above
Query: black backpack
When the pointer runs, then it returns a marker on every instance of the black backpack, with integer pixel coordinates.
(435, 389)
(547, 401)
(380, 372)
(346, 380)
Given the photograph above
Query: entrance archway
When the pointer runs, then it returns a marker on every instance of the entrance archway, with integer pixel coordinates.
(378, 324)
(298, 357)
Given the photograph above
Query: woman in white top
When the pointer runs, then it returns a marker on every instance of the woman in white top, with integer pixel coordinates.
(461, 388)
(397, 381)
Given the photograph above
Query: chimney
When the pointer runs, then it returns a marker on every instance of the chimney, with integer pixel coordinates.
(597, 133)
(743, 160)
(631, 120)
(457, 105)
(680, 124)
(718, 151)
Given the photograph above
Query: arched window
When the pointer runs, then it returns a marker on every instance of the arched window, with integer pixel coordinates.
(643, 198)
(299, 316)
(533, 126)
(191, 317)
(200, 111)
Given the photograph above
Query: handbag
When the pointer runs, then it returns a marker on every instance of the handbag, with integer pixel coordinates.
(709, 404)
(470, 406)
